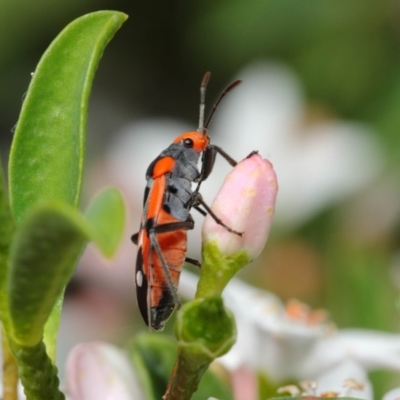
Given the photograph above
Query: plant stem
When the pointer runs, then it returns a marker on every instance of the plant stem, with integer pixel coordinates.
(10, 371)
(185, 376)
(37, 373)
(205, 330)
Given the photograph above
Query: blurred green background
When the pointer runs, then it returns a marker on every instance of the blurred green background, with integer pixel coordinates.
(346, 55)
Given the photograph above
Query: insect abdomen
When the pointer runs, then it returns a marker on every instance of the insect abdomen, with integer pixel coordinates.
(161, 298)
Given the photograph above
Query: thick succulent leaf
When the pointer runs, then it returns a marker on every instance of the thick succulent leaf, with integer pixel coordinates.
(50, 333)
(47, 153)
(107, 215)
(6, 233)
(43, 255)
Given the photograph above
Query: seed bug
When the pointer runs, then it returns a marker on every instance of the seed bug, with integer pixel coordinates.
(168, 199)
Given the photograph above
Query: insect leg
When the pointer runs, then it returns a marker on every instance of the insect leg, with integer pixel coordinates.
(208, 161)
(156, 246)
(174, 226)
(170, 227)
(193, 261)
(199, 200)
(227, 157)
(200, 210)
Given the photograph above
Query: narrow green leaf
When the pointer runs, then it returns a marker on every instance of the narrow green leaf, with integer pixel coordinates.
(47, 153)
(50, 333)
(6, 233)
(49, 241)
(107, 214)
(45, 250)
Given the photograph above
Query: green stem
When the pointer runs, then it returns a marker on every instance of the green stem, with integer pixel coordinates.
(205, 330)
(37, 373)
(10, 372)
(186, 375)
(218, 269)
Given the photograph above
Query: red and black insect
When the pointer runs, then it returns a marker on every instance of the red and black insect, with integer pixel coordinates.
(168, 199)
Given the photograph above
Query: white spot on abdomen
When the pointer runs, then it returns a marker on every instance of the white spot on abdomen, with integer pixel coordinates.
(139, 278)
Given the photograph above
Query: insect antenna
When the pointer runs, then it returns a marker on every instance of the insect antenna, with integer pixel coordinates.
(203, 87)
(222, 95)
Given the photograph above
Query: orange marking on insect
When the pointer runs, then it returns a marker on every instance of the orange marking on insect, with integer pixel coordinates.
(200, 140)
(163, 166)
(156, 196)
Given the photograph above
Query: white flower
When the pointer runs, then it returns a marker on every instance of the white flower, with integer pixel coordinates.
(347, 379)
(393, 394)
(372, 349)
(294, 342)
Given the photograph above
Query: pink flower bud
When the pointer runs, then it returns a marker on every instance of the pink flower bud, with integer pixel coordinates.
(245, 203)
(102, 372)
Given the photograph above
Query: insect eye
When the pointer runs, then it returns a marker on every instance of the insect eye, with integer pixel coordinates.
(188, 143)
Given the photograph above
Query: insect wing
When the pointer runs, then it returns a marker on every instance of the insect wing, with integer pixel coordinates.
(159, 260)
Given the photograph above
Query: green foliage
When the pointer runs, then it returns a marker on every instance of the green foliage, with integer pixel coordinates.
(6, 232)
(37, 257)
(44, 252)
(47, 153)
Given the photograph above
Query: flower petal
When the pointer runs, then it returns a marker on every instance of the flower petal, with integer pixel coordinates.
(245, 203)
(102, 372)
(371, 349)
(393, 394)
(348, 379)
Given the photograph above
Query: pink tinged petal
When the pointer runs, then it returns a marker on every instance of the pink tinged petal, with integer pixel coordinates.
(245, 385)
(246, 203)
(102, 372)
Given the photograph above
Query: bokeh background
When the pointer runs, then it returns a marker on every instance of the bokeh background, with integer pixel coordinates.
(320, 97)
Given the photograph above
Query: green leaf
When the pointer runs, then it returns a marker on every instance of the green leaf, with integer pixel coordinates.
(106, 231)
(107, 226)
(107, 215)
(47, 153)
(6, 233)
(44, 252)
(50, 333)
(153, 356)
